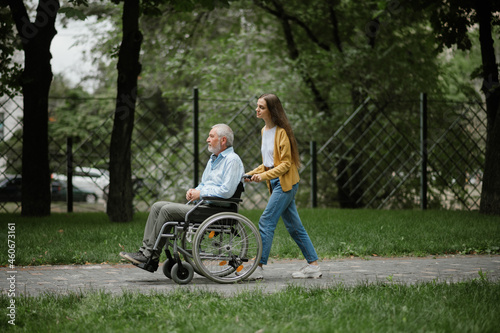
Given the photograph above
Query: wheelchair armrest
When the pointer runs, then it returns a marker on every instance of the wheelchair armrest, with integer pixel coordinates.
(232, 202)
(217, 199)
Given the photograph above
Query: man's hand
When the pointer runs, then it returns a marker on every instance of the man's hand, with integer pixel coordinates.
(192, 194)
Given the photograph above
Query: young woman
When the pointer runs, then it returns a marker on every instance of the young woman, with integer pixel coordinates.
(279, 169)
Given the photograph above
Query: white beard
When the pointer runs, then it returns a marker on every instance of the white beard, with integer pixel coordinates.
(214, 150)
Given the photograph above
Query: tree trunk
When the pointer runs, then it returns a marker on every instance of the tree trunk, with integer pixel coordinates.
(120, 208)
(344, 190)
(490, 194)
(36, 79)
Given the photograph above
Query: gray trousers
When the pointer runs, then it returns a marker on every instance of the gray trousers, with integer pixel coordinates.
(160, 213)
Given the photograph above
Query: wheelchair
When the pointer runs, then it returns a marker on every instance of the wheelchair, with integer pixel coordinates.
(214, 241)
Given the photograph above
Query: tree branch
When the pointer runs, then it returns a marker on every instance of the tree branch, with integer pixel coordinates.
(19, 14)
(335, 26)
(319, 101)
(309, 32)
(282, 15)
(44, 22)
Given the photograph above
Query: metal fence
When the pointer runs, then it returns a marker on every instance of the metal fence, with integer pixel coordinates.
(376, 157)
(373, 158)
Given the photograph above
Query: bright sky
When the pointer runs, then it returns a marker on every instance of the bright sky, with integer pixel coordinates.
(67, 57)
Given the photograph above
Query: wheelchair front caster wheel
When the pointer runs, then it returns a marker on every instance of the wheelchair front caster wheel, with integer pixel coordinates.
(182, 275)
(167, 267)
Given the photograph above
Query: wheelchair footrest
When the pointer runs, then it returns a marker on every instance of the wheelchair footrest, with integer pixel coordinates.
(150, 266)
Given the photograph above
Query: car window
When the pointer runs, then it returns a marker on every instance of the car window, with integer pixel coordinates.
(10, 182)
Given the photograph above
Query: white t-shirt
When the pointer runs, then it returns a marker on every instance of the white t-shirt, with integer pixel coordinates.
(267, 148)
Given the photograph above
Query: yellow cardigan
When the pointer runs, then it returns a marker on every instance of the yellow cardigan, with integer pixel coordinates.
(284, 168)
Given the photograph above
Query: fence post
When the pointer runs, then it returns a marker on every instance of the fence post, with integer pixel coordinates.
(314, 176)
(196, 152)
(69, 174)
(423, 150)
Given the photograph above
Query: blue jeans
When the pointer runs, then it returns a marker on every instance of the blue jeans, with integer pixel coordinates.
(283, 204)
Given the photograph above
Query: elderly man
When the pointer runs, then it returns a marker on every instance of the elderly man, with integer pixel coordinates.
(221, 177)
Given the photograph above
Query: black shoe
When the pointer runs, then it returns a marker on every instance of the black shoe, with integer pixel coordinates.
(136, 258)
(151, 265)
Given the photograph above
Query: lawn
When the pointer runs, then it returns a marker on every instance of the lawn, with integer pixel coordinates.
(80, 238)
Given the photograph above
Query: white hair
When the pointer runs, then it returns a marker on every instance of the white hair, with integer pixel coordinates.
(225, 130)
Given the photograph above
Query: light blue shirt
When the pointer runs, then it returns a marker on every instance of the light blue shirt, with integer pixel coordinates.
(222, 175)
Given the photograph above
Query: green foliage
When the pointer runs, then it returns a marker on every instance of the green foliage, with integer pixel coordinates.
(240, 51)
(190, 5)
(74, 113)
(10, 68)
(71, 12)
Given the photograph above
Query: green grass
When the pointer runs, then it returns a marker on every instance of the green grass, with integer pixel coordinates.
(81, 238)
(463, 307)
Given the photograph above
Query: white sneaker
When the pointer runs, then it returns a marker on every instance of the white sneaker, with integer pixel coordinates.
(308, 272)
(258, 274)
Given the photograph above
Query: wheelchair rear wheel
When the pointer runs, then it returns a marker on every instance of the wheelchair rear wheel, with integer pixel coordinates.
(227, 248)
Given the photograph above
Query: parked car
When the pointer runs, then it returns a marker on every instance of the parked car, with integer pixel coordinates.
(475, 178)
(10, 188)
(88, 179)
(60, 190)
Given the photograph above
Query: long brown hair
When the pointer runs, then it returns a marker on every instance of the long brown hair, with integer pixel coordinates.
(279, 118)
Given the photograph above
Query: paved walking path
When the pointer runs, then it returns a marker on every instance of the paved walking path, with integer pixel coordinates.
(116, 279)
